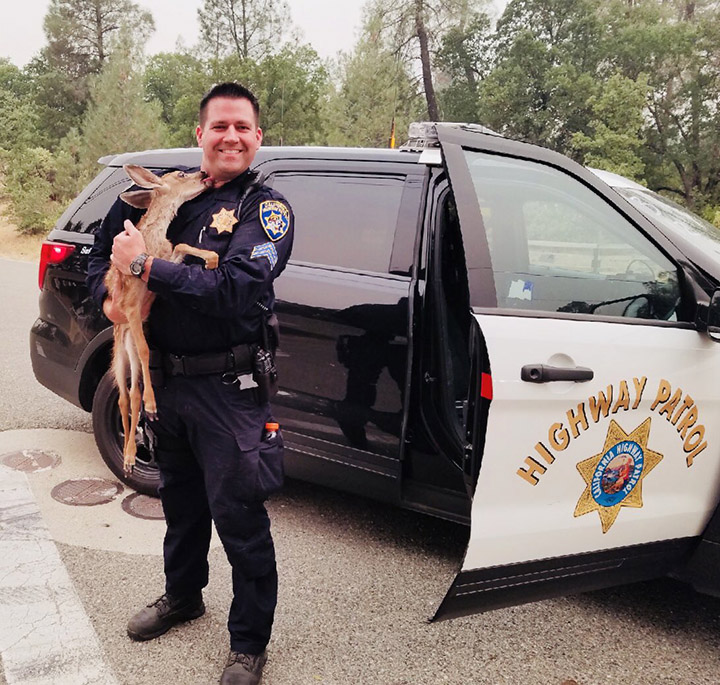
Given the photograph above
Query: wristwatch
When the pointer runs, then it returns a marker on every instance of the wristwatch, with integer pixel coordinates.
(137, 266)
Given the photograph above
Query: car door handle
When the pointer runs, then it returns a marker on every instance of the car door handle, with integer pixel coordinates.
(542, 373)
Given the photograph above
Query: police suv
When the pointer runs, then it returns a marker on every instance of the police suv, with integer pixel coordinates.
(475, 328)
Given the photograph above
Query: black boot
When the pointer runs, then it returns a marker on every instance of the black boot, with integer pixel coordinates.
(165, 612)
(243, 669)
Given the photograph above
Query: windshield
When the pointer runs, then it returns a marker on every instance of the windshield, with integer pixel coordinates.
(674, 218)
(556, 246)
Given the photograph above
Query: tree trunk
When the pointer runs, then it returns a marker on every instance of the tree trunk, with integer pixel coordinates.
(232, 20)
(246, 37)
(470, 76)
(99, 32)
(433, 113)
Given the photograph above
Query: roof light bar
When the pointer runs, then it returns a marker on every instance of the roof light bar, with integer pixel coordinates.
(424, 134)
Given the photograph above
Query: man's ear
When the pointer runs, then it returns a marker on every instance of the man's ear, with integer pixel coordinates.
(198, 134)
(137, 198)
(142, 176)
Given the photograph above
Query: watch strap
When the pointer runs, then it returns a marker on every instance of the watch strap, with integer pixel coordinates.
(137, 266)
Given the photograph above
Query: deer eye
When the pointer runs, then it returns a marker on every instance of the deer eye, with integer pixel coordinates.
(181, 174)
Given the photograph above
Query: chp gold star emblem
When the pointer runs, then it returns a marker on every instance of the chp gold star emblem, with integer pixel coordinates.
(223, 221)
(613, 478)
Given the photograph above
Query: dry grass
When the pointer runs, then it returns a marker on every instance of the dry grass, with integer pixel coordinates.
(13, 245)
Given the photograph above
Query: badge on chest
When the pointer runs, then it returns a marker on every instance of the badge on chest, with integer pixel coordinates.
(224, 221)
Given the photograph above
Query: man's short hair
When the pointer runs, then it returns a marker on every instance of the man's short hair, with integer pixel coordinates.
(229, 89)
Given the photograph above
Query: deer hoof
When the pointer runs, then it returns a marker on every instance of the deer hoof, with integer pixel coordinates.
(150, 415)
(211, 262)
(128, 465)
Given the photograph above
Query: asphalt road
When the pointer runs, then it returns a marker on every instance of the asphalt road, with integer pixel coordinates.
(358, 581)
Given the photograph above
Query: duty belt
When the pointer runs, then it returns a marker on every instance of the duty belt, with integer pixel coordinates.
(238, 360)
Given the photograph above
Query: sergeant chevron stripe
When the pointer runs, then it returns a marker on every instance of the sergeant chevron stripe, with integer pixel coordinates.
(266, 250)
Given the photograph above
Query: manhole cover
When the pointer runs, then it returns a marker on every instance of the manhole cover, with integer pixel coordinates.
(86, 491)
(30, 460)
(142, 506)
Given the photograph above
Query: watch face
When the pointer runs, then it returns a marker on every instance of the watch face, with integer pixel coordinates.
(137, 265)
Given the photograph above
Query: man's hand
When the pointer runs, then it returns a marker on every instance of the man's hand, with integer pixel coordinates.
(126, 246)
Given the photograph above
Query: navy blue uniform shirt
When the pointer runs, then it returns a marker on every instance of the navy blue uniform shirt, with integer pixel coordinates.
(202, 310)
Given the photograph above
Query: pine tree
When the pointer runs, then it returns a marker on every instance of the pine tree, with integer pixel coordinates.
(249, 29)
(119, 119)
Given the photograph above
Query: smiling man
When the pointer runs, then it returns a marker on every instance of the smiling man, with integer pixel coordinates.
(229, 136)
(217, 447)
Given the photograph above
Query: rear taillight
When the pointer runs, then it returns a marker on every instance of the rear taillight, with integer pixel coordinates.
(52, 253)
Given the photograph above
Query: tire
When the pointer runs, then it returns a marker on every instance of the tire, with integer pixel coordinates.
(107, 427)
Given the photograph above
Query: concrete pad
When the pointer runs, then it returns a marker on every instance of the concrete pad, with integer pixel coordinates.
(45, 635)
(104, 526)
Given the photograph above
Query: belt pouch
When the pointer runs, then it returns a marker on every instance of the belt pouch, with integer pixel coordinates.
(265, 375)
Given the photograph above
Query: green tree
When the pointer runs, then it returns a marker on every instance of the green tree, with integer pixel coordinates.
(249, 29)
(29, 177)
(119, 119)
(676, 43)
(29, 170)
(13, 80)
(413, 30)
(177, 82)
(376, 89)
(290, 86)
(464, 59)
(549, 56)
(40, 183)
(80, 33)
(615, 140)
(59, 101)
(20, 121)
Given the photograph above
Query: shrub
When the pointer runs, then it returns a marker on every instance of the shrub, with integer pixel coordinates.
(29, 177)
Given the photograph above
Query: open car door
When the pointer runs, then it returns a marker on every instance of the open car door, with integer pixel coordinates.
(594, 459)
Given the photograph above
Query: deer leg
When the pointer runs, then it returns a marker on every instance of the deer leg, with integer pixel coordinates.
(119, 366)
(211, 258)
(143, 352)
(130, 451)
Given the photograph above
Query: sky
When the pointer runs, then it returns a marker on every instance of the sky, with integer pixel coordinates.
(328, 25)
(322, 23)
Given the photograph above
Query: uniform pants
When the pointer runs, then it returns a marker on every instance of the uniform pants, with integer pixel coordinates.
(214, 465)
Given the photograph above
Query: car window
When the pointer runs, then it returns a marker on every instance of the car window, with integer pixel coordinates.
(87, 212)
(557, 246)
(343, 220)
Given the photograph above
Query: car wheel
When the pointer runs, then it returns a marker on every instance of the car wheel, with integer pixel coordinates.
(109, 436)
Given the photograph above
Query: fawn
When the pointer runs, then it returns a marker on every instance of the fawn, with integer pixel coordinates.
(162, 198)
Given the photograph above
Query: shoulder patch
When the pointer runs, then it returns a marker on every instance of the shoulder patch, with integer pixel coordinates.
(275, 219)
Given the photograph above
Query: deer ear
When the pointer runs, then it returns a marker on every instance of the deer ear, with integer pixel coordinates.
(137, 198)
(141, 176)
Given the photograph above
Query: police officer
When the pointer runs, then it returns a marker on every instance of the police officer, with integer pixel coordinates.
(218, 453)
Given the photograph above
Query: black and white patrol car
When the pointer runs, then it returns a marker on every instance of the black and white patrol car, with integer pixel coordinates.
(475, 328)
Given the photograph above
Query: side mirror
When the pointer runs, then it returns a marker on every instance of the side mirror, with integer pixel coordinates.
(713, 317)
